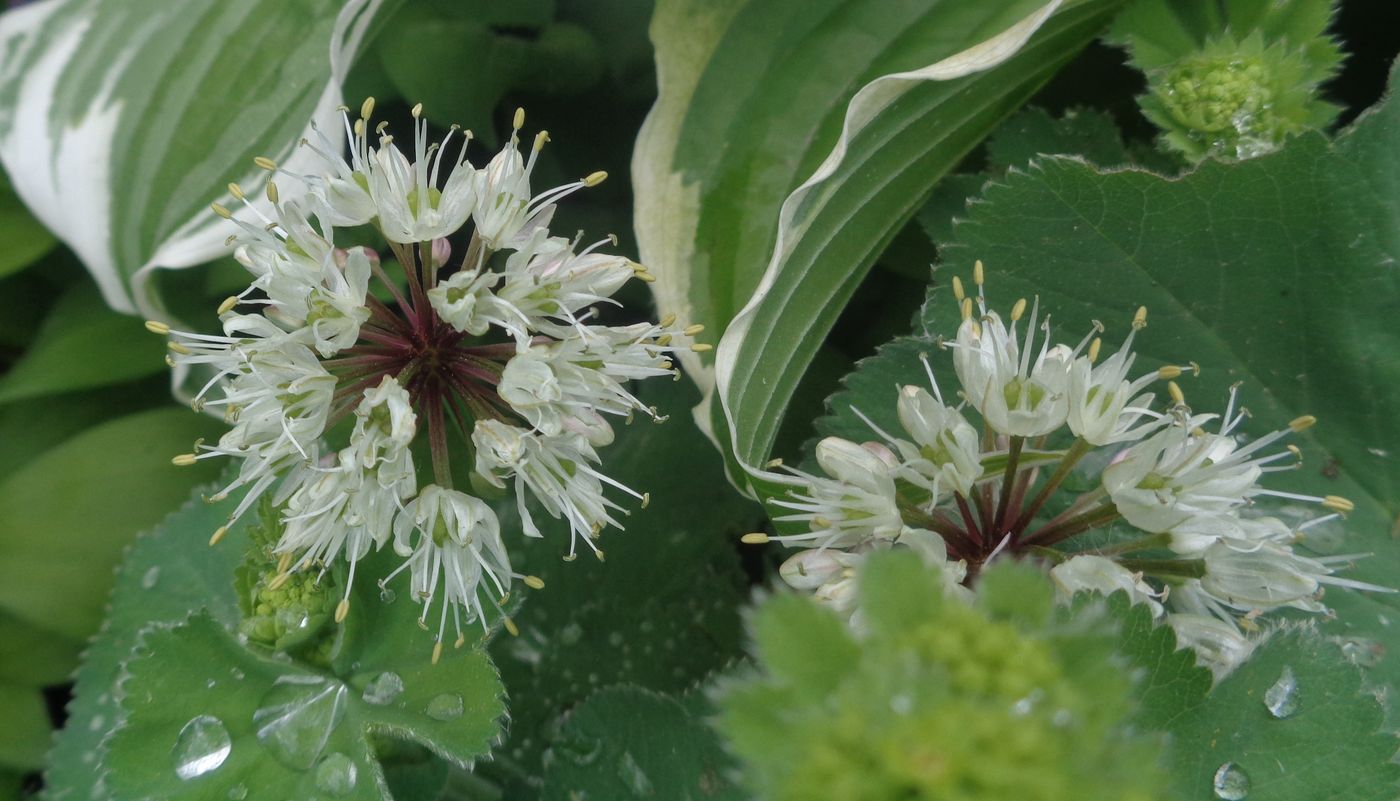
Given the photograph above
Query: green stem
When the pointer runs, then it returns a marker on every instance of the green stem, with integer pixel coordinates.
(1071, 458)
(1140, 544)
(1185, 568)
(1008, 480)
(939, 524)
(1049, 535)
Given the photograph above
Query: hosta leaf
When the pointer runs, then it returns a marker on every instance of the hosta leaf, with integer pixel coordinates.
(805, 193)
(120, 120)
(66, 516)
(627, 743)
(25, 238)
(256, 726)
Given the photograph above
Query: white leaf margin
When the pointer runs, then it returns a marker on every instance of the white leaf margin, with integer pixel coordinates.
(63, 175)
(864, 107)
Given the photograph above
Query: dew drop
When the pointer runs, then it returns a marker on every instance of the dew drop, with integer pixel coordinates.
(446, 706)
(902, 704)
(387, 595)
(615, 639)
(633, 776)
(149, 579)
(1231, 782)
(336, 775)
(383, 689)
(237, 674)
(297, 717)
(1282, 697)
(571, 634)
(238, 792)
(1361, 651)
(202, 746)
(97, 723)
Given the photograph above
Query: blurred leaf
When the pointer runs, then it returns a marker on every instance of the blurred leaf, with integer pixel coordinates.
(34, 657)
(627, 743)
(1087, 133)
(23, 239)
(83, 344)
(121, 120)
(25, 735)
(66, 517)
(256, 726)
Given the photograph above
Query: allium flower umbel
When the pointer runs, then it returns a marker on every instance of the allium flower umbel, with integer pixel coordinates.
(1176, 519)
(488, 369)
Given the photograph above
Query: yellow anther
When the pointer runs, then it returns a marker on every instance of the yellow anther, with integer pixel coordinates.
(342, 609)
(157, 327)
(1140, 318)
(510, 626)
(692, 330)
(228, 304)
(359, 128)
(437, 651)
(417, 110)
(595, 178)
(541, 139)
(1170, 371)
(1018, 310)
(1302, 423)
(601, 557)
(236, 191)
(534, 582)
(958, 289)
(664, 340)
(279, 581)
(519, 121)
(460, 641)
(367, 108)
(272, 194)
(976, 329)
(265, 163)
(1338, 504)
(967, 308)
(1175, 391)
(668, 321)
(221, 211)
(1195, 369)
(218, 535)
(284, 562)
(756, 538)
(1094, 348)
(1295, 450)
(176, 347)
(647, 277)
(774, 464)
(184, 460)
(701, 347)
(646, 496)
(978, 273)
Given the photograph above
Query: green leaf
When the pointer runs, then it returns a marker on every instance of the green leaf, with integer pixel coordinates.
(1158, 32)
(25, 735)
(1087, 133)
(627, 743)
(121, 120)
(83, 344)
(262, 726)
(66, 517)
(23, 239)
(34, 657)
(733, 174)
(1278, 272)
(1294, 720)
(661, 612)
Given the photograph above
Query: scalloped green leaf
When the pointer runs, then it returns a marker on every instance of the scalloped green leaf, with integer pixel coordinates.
(627, 743)
(660, 613)
(255, 726)
(736, 193)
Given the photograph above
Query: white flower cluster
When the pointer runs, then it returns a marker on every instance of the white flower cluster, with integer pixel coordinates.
(498, 352)
(1178, 501)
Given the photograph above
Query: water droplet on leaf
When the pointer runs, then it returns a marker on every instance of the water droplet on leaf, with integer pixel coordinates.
(1282, 697)
(580, 750)
(202, 746)
(1231, 782)
(1361, 651)
(383, 689)
(150, 578)
(571, 634)
(298, 716)
(447, 706)
(336, 775)
(238, 792)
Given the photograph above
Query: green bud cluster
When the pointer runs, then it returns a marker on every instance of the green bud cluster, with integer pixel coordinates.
(935, 698)
(282, 612)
